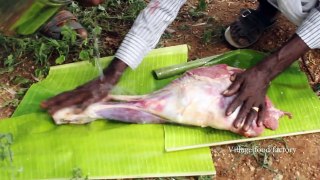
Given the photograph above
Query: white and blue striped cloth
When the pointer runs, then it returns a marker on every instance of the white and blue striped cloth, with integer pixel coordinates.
(156, 17)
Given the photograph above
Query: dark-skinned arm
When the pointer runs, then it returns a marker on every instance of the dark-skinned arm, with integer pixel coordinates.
(250, 86)
(90, 92)
(142, 37)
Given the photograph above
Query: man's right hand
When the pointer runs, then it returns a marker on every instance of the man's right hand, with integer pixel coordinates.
(88, 93)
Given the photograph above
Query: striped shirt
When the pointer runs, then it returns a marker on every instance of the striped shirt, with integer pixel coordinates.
(159, 14)
(309, 30)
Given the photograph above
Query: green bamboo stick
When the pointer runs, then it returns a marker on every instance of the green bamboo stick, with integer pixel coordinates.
(170, 71)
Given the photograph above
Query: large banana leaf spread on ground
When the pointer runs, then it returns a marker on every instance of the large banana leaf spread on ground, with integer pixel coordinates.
(102, 149)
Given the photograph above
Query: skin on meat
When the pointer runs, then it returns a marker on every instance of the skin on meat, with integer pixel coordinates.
(193, 99)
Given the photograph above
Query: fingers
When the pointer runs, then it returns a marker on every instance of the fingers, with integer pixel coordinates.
(234, 87)
(234, 105)
(251, 116)
(233, 77)
(245, 109)
(60, 98)
(247, 114)
(54, 100)
(89, 86)
(261, 115)
(69, 101)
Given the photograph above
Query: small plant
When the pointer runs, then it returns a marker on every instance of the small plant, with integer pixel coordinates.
(167, 36)
(206, 177)
(199, 11)
(202, 6)
(213, 33)
(207, 36)
(6, 140)
(184, 27)
(262, 158)
(77, 174)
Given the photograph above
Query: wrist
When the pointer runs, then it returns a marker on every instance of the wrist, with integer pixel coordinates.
(114, 71)
(116, 67)
(277, 62)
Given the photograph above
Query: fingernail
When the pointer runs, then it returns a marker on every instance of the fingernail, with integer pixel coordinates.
(232, 78)
(246, 128)
(237, 125)
(225, 92)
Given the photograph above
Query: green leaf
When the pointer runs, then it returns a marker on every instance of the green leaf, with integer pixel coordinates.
(84, 55)
(21, 92)
(54, 42)
(21, 80)
(42, 54)
(69, 34)
(97, 30)
(101, 8)
(40, 72)
(60, 59)
(202, 6)
(207, 36)
(9, 61)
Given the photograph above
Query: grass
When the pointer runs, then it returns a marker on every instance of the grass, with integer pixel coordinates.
(46, 52)
(262, 158)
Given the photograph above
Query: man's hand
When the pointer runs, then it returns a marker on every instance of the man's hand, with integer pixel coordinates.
(251, 85)
(88, 93)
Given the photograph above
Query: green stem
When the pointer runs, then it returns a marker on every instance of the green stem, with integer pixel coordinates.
(170, 71)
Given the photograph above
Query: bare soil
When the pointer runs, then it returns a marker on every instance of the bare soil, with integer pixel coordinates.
(187, 29)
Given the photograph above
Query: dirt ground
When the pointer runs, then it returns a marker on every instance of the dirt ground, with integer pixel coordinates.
(304, 163)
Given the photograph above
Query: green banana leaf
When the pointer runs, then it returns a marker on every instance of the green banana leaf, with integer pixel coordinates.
(102, 149)
(289, 92)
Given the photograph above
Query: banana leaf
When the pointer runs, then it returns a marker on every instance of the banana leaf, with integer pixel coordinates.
(102, 149)
(289, 92)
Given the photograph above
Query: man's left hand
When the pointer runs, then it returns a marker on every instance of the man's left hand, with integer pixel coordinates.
(250, 87)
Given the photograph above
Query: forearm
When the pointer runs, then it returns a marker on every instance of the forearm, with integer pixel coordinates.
(307, 37)
(283, 58)
(147, 30)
